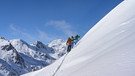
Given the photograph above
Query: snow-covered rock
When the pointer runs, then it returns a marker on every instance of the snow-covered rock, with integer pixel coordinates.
(59, 46)
(18, 57)
(108, 49)
(11, 62)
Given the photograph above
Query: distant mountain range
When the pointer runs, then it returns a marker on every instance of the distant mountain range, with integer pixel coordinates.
(18, 57)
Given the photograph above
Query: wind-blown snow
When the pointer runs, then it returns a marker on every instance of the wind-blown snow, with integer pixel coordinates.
(108, 49)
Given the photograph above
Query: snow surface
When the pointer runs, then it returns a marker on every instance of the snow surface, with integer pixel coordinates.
(108, 49)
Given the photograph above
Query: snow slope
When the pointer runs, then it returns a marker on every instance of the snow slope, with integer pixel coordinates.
(108, 49)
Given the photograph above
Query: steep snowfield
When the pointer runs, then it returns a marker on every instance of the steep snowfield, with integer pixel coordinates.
(108, 49)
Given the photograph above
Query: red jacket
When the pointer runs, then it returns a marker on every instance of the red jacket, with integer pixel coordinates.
(69, 42)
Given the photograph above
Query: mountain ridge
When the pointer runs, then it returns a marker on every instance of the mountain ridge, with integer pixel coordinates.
(18, 57)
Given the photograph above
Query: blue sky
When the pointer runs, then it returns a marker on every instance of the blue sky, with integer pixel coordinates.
(46, 20)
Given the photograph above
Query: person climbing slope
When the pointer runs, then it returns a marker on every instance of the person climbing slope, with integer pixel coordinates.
(72, 44)
(69, 42)
(76, 39)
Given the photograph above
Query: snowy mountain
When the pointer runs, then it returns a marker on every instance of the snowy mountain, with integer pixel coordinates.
(18, 57)
(60, 47)
(108, 49)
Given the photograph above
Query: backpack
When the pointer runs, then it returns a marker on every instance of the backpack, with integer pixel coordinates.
(77, 37)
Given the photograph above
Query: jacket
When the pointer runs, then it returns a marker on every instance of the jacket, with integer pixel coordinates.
(69, 41)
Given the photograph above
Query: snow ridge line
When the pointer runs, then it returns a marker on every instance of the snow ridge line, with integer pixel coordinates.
(60, 65)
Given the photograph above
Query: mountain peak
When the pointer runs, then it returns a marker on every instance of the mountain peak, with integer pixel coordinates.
(39, 44)
(22, 57)
(7, 47)
(2, 38)
(57, 41)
